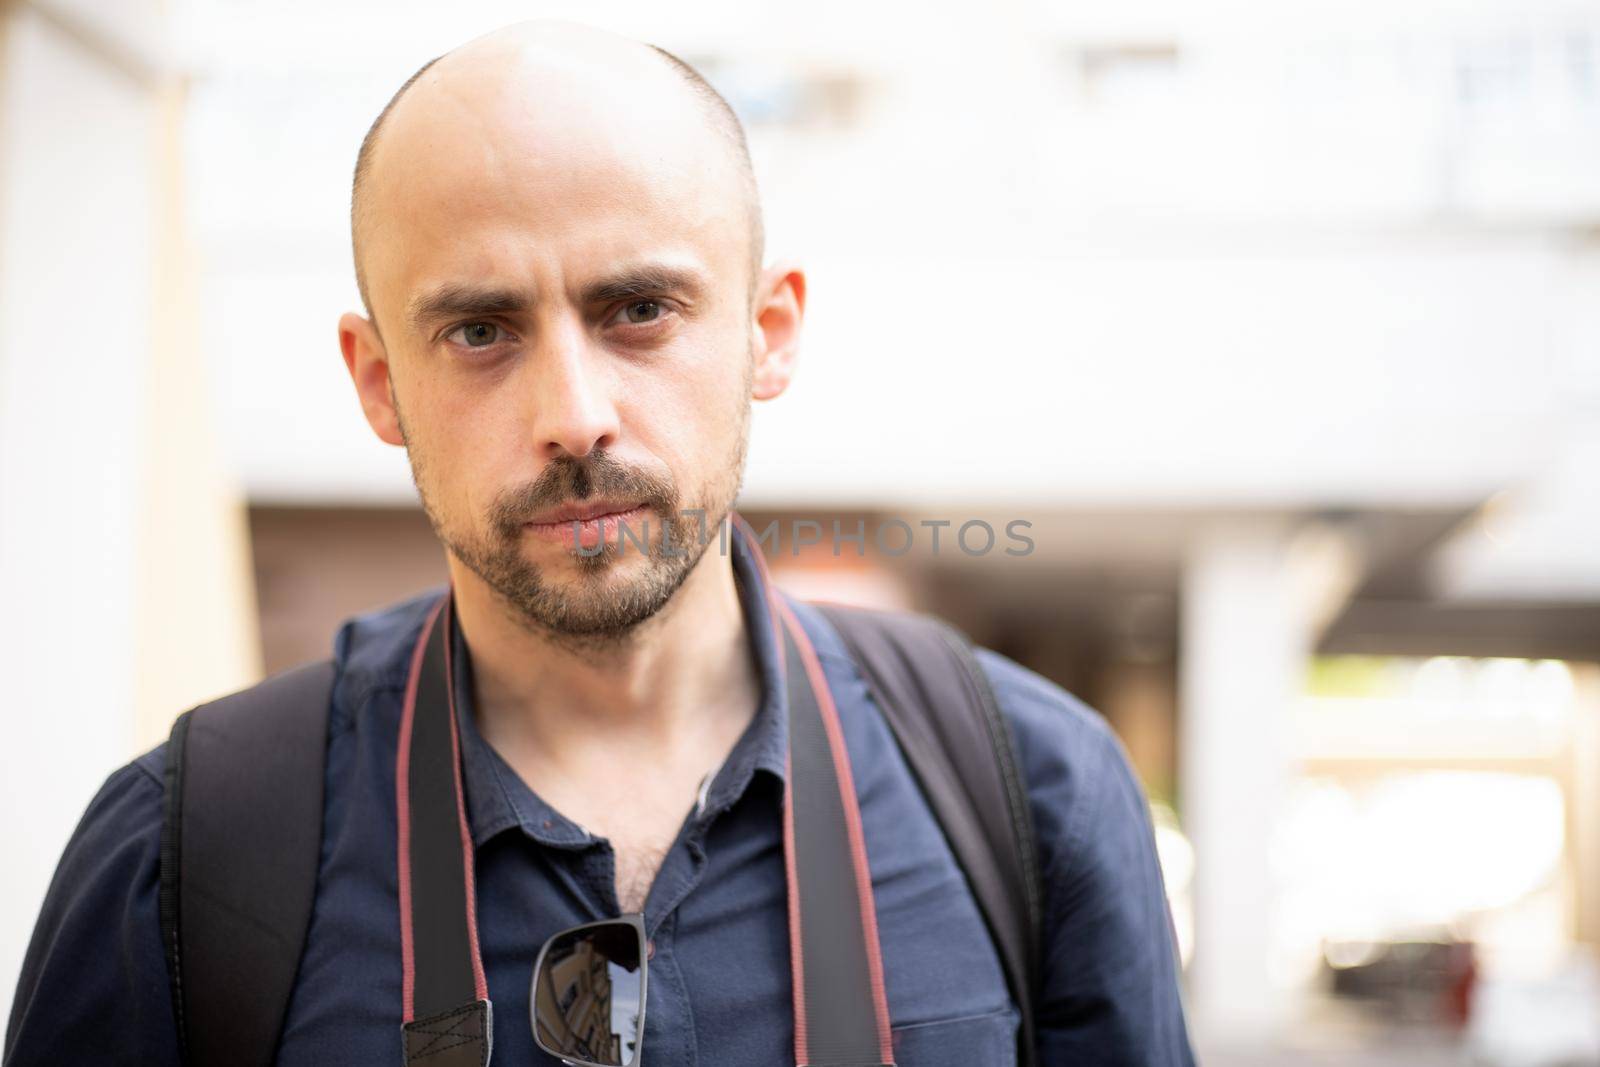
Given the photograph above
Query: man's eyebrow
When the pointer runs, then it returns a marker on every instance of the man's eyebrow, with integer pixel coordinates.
(647, 279)
(464, 301)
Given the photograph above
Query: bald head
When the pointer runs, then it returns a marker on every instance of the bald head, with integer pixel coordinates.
(541, 64)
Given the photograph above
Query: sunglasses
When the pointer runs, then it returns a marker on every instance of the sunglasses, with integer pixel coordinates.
(588, 996)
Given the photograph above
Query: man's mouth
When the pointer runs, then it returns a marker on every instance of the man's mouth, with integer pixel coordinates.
(590, 522)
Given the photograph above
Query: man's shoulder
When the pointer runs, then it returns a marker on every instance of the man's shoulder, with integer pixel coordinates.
(93, 987)
(125, 813)
(139, 775)
(152, 766)
(1044, 718)
(1074, 766)
(1089, 813)
(1079, 776)
(373, 648)
(128, 806)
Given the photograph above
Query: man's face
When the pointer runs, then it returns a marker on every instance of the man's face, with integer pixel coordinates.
(563, 296)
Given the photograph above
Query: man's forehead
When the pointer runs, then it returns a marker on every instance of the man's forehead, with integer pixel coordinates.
(511, 141)
(567, 228)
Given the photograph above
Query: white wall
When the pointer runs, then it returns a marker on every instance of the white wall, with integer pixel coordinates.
(124, 558)
(1295, 264)
(75, 304)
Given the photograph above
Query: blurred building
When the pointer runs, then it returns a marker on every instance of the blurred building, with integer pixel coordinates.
(1279, 327)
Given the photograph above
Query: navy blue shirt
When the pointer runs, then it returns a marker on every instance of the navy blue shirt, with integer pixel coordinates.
(94, 989)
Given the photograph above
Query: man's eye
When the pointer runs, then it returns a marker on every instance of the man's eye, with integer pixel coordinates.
(476, 334)
(642, 311)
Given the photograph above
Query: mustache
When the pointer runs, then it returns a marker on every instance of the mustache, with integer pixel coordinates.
(569, 480)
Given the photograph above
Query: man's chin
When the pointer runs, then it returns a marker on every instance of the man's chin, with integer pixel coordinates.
(594, 599)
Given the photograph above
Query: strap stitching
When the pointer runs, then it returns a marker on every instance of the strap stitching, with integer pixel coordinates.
(460, 1017)
(170, 898)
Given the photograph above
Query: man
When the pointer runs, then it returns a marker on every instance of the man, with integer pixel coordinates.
(559, 248)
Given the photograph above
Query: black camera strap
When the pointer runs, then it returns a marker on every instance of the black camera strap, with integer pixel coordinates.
(448, 1020)
(841, 1014)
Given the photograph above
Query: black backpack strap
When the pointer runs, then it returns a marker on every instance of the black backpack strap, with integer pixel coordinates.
(925, 677)
(241, 839)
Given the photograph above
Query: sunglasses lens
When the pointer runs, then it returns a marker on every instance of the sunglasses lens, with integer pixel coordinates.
(588, 995)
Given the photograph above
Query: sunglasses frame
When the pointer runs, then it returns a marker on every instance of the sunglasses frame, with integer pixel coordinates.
(633, 920)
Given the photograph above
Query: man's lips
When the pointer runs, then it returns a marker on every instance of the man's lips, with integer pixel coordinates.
(593, 509)
(590, 524)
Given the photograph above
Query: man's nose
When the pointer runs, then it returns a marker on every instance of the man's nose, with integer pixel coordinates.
(571, 395)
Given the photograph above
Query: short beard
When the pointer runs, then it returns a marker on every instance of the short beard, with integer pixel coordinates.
(591, 619)
(592, 611)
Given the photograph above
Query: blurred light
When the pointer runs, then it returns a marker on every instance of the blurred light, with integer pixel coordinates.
(1441, 678)
(1343, 955)
(1176, 856)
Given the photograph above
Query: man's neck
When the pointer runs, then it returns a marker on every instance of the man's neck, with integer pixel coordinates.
(683, 679)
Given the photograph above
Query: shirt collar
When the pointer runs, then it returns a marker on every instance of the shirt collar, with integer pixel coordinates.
(498, 799)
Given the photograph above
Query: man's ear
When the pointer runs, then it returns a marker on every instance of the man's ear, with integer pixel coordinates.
(780, 306)
(368, 363)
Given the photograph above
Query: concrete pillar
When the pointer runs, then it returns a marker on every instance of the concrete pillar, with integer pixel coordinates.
(195, 599)
(1247, 624)
(1583, 804)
